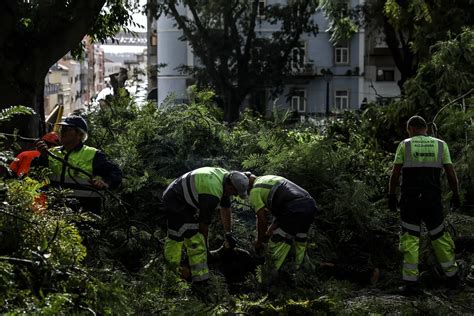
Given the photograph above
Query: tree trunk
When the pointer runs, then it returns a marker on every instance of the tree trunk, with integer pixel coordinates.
(27, 52)
(232, 103)
(403, 57)
(24, 86)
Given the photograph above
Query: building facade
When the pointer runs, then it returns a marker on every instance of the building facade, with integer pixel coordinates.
(72, 84)
(57, 87)
(327, 78)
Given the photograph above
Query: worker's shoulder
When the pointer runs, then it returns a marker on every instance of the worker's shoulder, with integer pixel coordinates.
(269, 178)
(438, 140)
(87, 147)
(212, 176)
(422, 138)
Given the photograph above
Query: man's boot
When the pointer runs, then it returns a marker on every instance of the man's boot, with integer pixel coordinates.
(204, 291)
(456, 281)
(470, 276)
(410, 289)
(453, 282)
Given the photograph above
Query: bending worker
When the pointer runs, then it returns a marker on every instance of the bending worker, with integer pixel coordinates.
(105, 174)
(420, 160)
(190, 202)
(293, 211)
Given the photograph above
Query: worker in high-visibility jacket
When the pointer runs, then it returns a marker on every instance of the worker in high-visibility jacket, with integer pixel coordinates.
(22, 162)
(189, 203)
(293, 211)
(105, 174)
(420, 160)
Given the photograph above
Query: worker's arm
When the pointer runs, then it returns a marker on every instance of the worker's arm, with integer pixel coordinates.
(226, 218)
(453, 184)
(207, 205)
(392, 187)
(109, 172)
(262, 225)
(204, 229)
(452, 178)
(42, 147)
(42, 160)
(394, 178)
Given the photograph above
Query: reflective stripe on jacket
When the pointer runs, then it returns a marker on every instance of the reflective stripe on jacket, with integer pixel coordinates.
(430, 157)
(206, 180)
(263, 191)
(70, 178)
(422, 159)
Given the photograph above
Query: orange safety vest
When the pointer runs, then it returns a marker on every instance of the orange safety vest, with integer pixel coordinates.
(22, 162)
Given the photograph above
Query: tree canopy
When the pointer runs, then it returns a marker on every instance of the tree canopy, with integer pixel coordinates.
(36, 34)
(235, 58)
(345, 165)
(410, 27)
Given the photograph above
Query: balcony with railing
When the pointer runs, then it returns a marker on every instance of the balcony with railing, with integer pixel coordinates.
(306, 69)
(303, 72)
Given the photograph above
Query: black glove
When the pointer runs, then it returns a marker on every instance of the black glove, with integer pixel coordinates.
(231, 240)
(455, 201)
(392, 203)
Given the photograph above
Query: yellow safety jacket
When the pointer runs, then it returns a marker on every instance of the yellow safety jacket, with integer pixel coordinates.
(70, 178)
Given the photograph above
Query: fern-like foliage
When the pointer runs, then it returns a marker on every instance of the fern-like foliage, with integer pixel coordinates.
(8, 113)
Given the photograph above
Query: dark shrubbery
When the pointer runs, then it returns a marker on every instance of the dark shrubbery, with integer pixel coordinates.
(50, 264)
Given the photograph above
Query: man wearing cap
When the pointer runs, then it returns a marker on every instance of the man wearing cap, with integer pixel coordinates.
(21, 165)
(189, 203)
(293, 211)
(73, 133)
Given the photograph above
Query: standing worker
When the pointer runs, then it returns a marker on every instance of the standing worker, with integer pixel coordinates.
(420, 160)
(189, 203)
(105, 174)
(293, 210)
(21, 165)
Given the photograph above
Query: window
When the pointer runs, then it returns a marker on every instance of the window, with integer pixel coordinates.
(341, 100)
(299, 6)
(380, 41)
(261, 8)
(298, 101)
(345, 7)
(341, 54)
(298, 58)
(385, 74)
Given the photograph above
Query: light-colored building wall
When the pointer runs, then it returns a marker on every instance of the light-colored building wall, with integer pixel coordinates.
(74, 76)
(94, 77)
(172, 52)
(152, 61)
(111, 67)
(57, 88)
(99, 69)
(381, 74)
(309, 89)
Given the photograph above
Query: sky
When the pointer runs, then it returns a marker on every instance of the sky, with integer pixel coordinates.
(138, 18)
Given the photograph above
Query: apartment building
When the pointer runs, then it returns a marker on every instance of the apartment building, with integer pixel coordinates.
(327, 78)
(57, 87)
(72, 83)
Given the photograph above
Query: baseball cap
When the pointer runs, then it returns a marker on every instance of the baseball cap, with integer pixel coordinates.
(240, 182)
(51, 137)
(75, 121)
